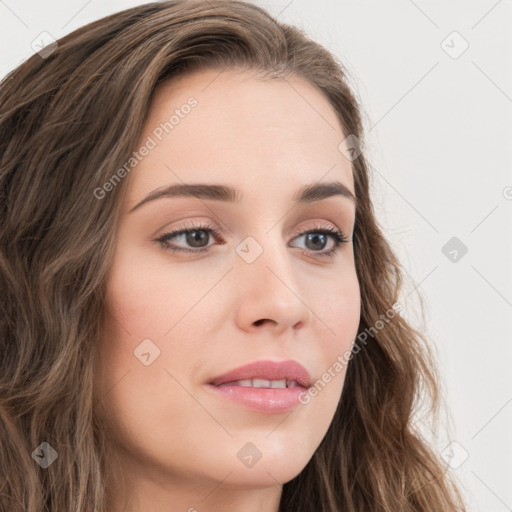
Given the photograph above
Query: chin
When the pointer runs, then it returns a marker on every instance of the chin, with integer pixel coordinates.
(264, 475)
(263, 463)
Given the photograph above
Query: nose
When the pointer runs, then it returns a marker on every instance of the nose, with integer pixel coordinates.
(269, 295)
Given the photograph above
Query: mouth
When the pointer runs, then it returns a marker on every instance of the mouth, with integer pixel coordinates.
(263, 386)
(263, 383)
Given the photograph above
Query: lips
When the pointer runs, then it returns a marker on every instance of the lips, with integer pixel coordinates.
(261, 372)
(264, 386)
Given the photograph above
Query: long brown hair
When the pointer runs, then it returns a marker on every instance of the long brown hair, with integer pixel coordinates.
(68, 119)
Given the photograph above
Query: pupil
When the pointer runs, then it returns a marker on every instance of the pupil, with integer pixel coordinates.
(314, 237)
(193, 237)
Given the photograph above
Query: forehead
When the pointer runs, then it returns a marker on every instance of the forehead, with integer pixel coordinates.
(265, 135)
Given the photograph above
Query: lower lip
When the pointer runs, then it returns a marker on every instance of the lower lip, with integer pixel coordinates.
(267, 400)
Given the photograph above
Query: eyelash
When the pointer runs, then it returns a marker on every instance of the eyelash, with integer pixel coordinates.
(335, 234)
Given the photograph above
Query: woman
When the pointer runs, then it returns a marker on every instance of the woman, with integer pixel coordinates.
(200, 311)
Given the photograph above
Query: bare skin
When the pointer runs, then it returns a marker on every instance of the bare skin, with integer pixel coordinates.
(212, 311)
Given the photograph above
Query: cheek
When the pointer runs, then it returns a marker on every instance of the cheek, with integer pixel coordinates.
(339, 311)
(148, 299)
(339, 317)
(144, 314)
(138, 398)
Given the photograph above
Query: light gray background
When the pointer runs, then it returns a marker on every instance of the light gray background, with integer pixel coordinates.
(440, 140)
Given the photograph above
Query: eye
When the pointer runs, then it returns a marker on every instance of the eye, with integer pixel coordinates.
(317, 237)
(198, 235)
(193, 234)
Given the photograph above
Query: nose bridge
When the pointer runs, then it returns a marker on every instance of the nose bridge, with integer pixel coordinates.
(267, 283)
(265, 253)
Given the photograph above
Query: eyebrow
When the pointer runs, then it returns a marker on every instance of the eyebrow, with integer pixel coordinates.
(306, 194)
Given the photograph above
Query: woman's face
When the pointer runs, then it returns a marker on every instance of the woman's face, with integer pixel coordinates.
(258, 290)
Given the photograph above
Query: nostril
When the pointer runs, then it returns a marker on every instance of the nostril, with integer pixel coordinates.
(259, 322)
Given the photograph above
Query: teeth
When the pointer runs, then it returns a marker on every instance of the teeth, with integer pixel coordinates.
(264, 383)
(261, 383)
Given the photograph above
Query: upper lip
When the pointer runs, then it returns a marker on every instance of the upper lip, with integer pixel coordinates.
(270, 370)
